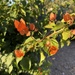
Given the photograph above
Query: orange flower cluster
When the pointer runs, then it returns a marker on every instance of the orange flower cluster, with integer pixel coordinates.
(19, 53)
(22, 28)
(52, 16)
(52, 49)
(68, 18)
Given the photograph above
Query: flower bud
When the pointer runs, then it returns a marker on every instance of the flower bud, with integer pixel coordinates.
(66, 17)
(52, 16)
(32, 26)
(19, 53)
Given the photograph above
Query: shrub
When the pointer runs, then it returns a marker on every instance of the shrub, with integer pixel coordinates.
(29, 33)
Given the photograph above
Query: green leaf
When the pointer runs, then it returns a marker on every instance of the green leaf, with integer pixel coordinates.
(54, 42)
(13, 14)
(36, 6)
(65, 35)
(30, 39)
(51, 25)
(42, 1)
(18, 60)
(41, 44)
(62, 20)
(25, 63)
(10, 69)
(73, 38)
(68, 42)
(9, 59)
(62, 43)
(42, 56)
(58, 26)
(4, 58)
(3, 39)
(23, 12)
(73, 14)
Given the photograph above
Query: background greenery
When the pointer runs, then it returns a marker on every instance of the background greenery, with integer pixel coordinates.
(32, 11)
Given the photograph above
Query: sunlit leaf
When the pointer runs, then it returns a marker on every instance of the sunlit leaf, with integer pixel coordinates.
(23, 12)
(13, 14)
(29, 39)
(68, 43)
(10, 69)
(4, 58)
(41, 44)
(42, 56)
(73, 14)
(51, 25)
(66, 35)
(73, 38)
(18, 60)
(36, 6)
(42, 1)
(9, 59)
(62, 20)
(61, 43)
(54, 42)
(58, 26)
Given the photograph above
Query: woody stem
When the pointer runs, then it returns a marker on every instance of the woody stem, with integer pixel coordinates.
(56, 32)
(46, 37)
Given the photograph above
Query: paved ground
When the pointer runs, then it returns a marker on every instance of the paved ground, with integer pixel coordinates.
(63, 63)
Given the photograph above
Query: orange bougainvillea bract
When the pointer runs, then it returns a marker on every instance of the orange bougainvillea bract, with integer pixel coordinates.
(21, 27)
(52, 16)
(19, 53)
(66, 17)
(32, 26)
(53, 50)
(73, 31)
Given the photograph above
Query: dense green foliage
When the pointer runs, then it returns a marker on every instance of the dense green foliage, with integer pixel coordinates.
(57, 32)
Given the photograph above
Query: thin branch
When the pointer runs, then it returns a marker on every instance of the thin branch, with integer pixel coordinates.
(56, 32)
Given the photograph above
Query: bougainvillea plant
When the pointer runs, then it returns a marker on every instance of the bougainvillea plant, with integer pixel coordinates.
(28, 35)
